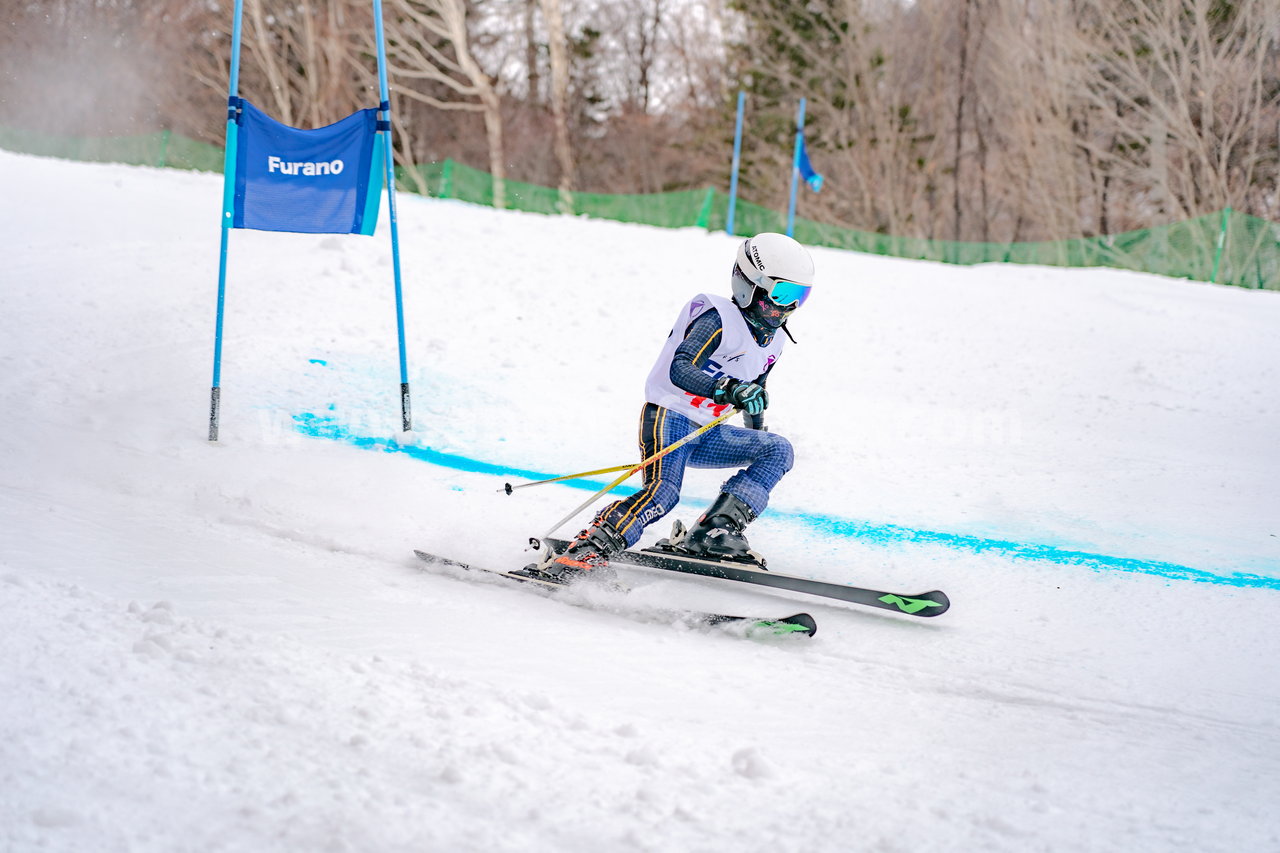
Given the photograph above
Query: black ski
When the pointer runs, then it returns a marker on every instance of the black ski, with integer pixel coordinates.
(933, 603)
(799, 623)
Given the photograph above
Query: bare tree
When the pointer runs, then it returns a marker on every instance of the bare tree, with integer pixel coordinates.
(637, 32)
(559, 51)
(875, 110)
(698, 66)
(298, 58)
(428, 41)
(962, 91)
(531, 64)
(1032, 183)
(1179, 85)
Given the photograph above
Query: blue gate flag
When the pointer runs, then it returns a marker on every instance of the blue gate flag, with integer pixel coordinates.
(322, 181)
(812, 178)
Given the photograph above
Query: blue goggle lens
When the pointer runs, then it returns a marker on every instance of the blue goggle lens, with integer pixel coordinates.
(789, 293)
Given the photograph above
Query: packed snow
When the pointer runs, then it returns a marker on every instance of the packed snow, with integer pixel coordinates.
(231, 647)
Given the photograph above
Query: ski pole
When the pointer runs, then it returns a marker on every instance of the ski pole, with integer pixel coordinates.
(508, 488)
(537, 544)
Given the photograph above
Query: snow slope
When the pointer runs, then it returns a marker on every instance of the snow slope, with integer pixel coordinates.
(230, 646)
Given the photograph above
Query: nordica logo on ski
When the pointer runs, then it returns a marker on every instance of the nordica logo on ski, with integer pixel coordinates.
(908, 605)
(304, 168)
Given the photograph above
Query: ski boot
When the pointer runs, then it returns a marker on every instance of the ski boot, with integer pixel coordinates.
(717, 535)
(588, 552)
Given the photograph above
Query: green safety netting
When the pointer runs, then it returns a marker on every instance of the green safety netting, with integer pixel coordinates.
(1226, 247)
(454, 180)
(153, 149)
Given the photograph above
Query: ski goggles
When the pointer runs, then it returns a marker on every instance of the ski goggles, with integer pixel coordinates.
(783, 293)
(788, 294)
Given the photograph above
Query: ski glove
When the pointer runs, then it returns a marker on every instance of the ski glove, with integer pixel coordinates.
(747, 396)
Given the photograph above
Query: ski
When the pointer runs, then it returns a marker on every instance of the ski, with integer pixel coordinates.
(753, 626)
(925, 604)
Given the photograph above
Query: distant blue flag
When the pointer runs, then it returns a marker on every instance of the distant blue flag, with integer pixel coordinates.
(322, 181)
(812, 178)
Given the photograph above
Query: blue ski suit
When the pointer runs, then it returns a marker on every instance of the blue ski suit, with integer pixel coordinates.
(764, 457)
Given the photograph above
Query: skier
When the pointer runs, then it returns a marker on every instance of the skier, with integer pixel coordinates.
(719, 354)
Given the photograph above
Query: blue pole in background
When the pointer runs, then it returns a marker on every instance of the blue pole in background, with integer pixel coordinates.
(795, 170)
(406, 419)
(737, 151)
(228, 198)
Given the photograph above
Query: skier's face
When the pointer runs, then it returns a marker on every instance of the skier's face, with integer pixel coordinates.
(768, 312)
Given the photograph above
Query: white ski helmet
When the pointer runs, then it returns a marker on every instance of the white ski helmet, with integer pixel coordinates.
(772, 276)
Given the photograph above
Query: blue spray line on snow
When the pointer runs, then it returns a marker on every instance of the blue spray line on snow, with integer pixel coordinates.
(886, 534)
(318, 426)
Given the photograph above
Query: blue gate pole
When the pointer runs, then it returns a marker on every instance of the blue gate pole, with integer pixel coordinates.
(737, 152)
(228, 200)
(795, 170)
(406, 418)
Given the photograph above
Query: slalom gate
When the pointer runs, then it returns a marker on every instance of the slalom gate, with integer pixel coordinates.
(325, 180)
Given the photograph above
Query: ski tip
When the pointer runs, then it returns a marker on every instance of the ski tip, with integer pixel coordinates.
(939, 598)
(437, 560)
(800, 624)
(933, 603)
(803, 622)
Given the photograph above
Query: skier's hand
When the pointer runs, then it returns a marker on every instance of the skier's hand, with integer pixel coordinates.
(748, 396)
